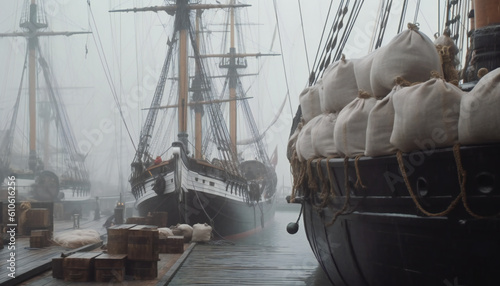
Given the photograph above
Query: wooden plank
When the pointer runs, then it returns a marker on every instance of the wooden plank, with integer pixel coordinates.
(249, 265)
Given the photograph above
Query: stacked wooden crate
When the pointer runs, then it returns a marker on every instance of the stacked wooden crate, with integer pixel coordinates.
(79, 267)
(118, 238)
(110, 267)
(171, 244)
(142, 252)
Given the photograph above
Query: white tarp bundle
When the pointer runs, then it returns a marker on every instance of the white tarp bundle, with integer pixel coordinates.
(77, 238)
(310, 101)
(479, 111)
(380, 124)
(202, 232)
(349, 135)
(426, 116)
(410, 55)
(303, 145)
(322, 136)
(339, 86)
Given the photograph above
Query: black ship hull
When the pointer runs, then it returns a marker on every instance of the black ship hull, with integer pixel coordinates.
(193, 191)
(230, 219)
(447, 233)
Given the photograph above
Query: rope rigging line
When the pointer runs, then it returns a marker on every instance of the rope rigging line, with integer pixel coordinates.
(337, 37)
(8, 139)
(76, 162)
(383, 24)
(417, 10)
(218, 125)
(107, 72)
(282, 58)
(403, 15)
(304, 37)
(312, 75)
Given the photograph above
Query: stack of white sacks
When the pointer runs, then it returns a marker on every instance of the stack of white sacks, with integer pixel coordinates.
(357, 108)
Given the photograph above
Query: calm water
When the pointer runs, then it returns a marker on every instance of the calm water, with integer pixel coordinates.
(276, 235)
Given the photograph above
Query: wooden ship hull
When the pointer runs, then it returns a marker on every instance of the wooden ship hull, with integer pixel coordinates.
(193, 191)
(379, 234)
(425, 216)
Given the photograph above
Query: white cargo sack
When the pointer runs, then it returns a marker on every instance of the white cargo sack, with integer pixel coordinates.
(339, 86)
(479, 112)
(349, 135)
(426, 116)
(186, 230)
(303, 145)
(362, 70)
(310, 102)
(164, 232)
(410, 55)
(380, 124)
(201, 232)
(322, 136)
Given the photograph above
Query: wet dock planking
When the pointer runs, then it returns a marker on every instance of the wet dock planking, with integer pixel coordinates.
(241, 264)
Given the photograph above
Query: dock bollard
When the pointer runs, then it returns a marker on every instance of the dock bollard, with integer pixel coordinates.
(76, 221)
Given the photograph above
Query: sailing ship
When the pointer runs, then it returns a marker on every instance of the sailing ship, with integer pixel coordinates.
(50, 170)
(422, 207)
(179, 175)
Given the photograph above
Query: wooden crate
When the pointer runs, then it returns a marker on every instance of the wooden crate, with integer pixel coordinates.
(79, 267)
(159, 219)
(37, 217)
(118, 238)
(37, 242)
(139, 220)
(143, 243)
(175, 244)
(142, 270)
(40, 237)
(162, 245)
(110, 267)
(57, 268)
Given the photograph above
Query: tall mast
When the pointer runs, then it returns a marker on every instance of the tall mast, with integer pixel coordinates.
(32, 22)
(182, 24)
(232, 87)
(32, 26)
(181, 10)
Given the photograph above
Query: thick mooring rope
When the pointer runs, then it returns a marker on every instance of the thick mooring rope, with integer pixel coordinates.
(347, 195)
(414, 197)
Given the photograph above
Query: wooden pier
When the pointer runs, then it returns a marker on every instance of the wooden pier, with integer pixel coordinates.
(242, 265)
(34, 261)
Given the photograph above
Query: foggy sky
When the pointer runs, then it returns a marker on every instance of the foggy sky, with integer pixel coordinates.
(134, 48)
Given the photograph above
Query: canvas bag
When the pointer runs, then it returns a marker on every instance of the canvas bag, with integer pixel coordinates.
(379, 128)
(426, 116)
(303, 145)
(349, 135)
(410, 55)
(310, 101)
(339, 86)
(362, 70)
(322, 136)
(479, 111)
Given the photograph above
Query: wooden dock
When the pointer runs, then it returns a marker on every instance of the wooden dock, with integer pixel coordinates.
(241, 265)
(34, 261)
